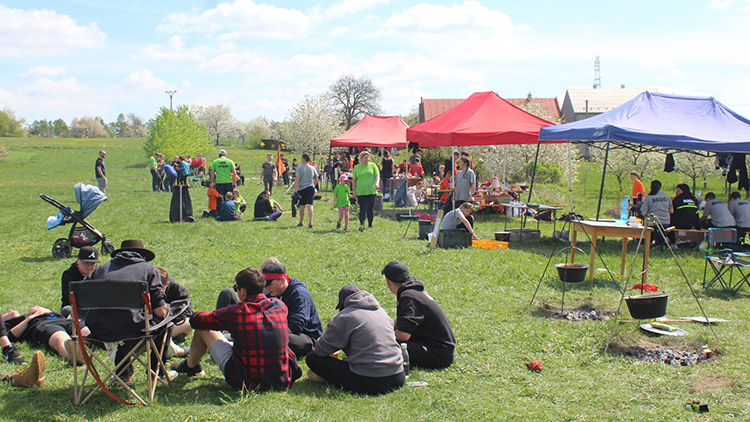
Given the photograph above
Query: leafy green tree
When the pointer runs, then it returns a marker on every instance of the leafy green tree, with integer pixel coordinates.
(177, 132)
(9, 126)
(120, 127)
(60, 128)
(41, 128)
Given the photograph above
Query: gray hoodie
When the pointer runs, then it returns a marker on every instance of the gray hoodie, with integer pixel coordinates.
(364, 331)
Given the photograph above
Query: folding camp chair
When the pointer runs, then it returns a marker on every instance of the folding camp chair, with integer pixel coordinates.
(117, 295)
(723, 260)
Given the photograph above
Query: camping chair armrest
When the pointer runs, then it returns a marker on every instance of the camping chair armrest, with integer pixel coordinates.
(171, 316)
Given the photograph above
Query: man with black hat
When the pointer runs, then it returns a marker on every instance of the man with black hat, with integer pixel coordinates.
(84, 265)
(130, 262)
(363, 330)
(420, 322)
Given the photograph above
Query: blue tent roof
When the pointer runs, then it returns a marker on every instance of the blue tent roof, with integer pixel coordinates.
(662, 120)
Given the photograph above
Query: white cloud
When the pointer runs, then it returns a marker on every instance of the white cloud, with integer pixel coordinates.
(175, 50)
(34, 107)
(352, 7)
(337, 31)
(186, 83)
(44, 87)
(43, 32)
(144, 80)
(44, 71)
(242, 19)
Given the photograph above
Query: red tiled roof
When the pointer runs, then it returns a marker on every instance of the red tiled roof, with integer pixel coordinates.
(434, 107)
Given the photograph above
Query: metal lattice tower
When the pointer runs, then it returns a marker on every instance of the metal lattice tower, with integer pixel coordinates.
(597, 75)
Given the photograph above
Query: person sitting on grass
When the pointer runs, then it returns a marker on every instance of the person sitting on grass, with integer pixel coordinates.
(460, 219)
(84, 265)
(213, 200)
(228, 209)
(32, 376)
(239, 203)
(176, 297)
(44, 327)
(420, 322)
(259, 358)
(363, 330)
(267, 208)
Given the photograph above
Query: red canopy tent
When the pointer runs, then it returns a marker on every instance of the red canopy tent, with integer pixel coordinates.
(482, 119)
(374, 131)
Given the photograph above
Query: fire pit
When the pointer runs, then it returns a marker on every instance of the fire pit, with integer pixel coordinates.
(670, 355)
(582, 313)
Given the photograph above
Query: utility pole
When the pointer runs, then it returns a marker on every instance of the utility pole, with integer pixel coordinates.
(171, 94)
(597, 74)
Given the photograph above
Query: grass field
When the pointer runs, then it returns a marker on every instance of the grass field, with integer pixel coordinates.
(485, 293)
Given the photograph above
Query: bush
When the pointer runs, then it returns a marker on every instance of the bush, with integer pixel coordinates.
(545, 173)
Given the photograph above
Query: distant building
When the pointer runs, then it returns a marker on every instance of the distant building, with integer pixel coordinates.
(429, 108)
(580, 104)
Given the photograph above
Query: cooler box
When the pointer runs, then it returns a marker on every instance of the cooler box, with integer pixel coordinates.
(454, 239)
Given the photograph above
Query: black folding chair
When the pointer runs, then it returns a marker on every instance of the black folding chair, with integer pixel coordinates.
(117, 295)
(723, 260)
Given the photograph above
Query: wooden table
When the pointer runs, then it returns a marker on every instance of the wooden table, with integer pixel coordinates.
(597, 229)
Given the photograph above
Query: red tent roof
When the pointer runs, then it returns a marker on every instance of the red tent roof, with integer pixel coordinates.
(482, 119)
(374, 131)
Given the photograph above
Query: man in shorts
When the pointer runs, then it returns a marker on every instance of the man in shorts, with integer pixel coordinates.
(44, 327)
(304, 183)
(259, 358)
(100, 171)
(223, 173)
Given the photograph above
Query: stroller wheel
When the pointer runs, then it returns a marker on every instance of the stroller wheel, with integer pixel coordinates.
(108, 247)
(62, 248)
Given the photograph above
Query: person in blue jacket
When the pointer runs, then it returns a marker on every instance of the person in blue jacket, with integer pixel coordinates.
(228, 209)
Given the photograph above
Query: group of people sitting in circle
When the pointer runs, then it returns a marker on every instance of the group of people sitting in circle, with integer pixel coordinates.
(259, 330)
(682, 211)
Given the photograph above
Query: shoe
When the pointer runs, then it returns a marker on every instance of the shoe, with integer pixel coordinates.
(183, 368)
(71, 347)
(300, 225)
(10, 355)
(174, 350)
(338, 226)
(346, 229)
(171, 375)
(127, 380)
(33, 375)
(361, 227)
(309, 226)
(312, 376)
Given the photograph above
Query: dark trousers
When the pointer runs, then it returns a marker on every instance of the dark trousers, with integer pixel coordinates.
(301, 344)
(168, 183)
(337, 373)
(423, 356)
(268, 183)
(227, 297)
(155, 180)
(223, 188)
(366, 208)
(285, 175)
(181, 179)
(124, 349)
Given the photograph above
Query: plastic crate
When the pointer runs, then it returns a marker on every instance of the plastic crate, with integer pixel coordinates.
(489, 244)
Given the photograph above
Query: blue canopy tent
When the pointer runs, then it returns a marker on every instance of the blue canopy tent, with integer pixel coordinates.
(660, 121)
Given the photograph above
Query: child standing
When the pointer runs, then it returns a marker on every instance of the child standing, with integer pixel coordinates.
(341, 192)
(213, 200)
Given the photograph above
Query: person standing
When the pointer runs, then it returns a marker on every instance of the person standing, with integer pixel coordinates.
(342, 202)
(305, 179)
(386, 172)
(366, 179)
(285, 174)
(153, 165)
(466, 182)
(223, 173)
(363, 330)
(100, 171)
(420, 322)
(268, 173)
(639, 192)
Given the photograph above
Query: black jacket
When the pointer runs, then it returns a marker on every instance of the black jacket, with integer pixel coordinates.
(420, 315)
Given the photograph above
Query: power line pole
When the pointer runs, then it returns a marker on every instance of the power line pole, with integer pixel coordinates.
(171, 94)
(597, 75)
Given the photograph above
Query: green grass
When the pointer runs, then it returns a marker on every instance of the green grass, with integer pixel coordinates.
(486, 295)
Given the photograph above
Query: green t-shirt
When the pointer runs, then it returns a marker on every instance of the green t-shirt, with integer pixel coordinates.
(152, 163)
(238, 204)
(223, 167)
(366, 177)
(341, 191)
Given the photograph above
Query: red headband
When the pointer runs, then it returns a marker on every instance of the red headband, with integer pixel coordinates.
(274, 276)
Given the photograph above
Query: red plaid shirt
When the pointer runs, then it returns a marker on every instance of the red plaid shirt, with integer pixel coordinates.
(262, 359)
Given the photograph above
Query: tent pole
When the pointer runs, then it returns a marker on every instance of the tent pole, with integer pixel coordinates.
(533, 172)
(570, 175)
(453, 176)
(601, 187)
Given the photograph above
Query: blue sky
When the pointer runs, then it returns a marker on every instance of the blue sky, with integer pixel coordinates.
(100, 58)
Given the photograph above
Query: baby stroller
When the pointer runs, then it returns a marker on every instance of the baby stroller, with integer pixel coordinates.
(81, 233)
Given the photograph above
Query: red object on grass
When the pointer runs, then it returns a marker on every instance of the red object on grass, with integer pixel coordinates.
(647, 287)
(535, 365)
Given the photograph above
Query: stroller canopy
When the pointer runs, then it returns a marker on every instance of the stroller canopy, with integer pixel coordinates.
(89, 197)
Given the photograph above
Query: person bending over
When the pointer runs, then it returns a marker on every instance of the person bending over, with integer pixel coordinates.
(420, 322)
(363, 330)
(259, 359)
(460, 219)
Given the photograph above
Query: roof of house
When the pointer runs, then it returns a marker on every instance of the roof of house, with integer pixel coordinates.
(435, 107)
(599, 100)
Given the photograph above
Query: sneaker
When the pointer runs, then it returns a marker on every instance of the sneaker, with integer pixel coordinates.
(346, 229)
(309, 226)
(33, 375)
(338, 226)
(71, 347)
(10, 355)
(361, 227)
(300, 225)
(174, 350)
(170, 375)
(183, 368)
(312, 376)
